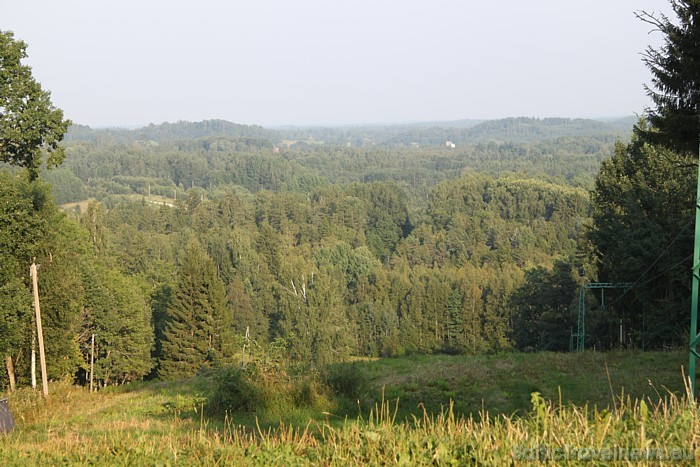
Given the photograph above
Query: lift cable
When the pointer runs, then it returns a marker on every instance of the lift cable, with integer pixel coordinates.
(637, 283)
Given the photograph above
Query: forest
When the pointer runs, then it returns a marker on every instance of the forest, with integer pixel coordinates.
(176, 244)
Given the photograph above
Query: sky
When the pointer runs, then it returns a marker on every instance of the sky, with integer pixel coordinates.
(332, 62)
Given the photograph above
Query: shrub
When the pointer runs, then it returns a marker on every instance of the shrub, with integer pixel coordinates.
(347, 380)
(232, 390)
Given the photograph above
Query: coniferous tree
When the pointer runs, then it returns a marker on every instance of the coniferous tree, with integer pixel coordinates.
(645, 193)
(675, 89)
(198, 330)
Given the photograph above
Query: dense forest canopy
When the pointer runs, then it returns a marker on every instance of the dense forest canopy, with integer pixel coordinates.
(327, 248)
(330, 249)
(217, 155)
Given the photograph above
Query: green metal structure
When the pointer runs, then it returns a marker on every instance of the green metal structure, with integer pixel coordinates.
(694, 336)
(578, 339)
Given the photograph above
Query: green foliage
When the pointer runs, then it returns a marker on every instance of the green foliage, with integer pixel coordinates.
(645, 194)
(407, 253)
(675, 88)
(67, 187)
(119, 315)
(643, 205)
(544, 308)
(233, 390)
(22, 222)
(29, 123)
(62, 295)
(261, 382)
(297, 267)
(347, 380)
(198, 330)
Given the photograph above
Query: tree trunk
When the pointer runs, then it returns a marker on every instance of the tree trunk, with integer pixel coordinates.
(10, 372)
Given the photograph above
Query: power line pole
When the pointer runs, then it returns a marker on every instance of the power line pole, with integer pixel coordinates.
(92, 361)
(39, 330)
(33, 362)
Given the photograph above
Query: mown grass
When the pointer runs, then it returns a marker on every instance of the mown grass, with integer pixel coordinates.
(163, 423)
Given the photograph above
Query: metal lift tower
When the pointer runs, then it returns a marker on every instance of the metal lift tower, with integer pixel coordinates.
(694, 336)
(578, 339)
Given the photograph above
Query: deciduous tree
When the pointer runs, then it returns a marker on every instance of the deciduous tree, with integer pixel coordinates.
(29, 122)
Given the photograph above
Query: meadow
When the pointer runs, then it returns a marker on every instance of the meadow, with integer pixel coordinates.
(424, 410)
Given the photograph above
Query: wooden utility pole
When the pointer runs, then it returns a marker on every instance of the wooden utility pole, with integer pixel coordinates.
(33, 362)
(39, 330)
(92, 361)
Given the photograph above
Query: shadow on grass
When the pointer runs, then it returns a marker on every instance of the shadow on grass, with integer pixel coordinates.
(502, 384)
(499, 384)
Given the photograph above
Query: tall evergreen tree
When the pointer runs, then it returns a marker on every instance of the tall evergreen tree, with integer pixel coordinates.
(198, 330)
(675, 68)
(645, 193)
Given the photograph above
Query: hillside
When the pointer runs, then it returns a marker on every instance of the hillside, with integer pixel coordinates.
(169, 422)
(513, 130)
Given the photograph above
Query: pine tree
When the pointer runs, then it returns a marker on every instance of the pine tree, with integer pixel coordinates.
(675, 69)
(198, 330)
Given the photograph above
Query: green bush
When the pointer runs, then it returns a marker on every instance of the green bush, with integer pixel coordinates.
(233, 390)
(347, 380)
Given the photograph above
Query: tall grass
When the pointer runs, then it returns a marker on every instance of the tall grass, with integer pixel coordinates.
(136, 428)
(171, 424)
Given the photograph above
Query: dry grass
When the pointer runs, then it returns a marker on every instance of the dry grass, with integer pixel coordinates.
(163, 424)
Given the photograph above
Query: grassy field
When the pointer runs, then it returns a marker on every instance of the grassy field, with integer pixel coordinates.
(502, 384)
(595, 407)
(81, 206)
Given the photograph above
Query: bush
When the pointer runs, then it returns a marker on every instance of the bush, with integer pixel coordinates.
(232, 390)
(347, 380)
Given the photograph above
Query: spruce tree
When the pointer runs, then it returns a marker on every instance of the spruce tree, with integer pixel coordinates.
(198, 330)
(675, 68)
(645, 193)
(642, 233)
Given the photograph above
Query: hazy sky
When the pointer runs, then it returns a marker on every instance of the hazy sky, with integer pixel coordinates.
(274, 62)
